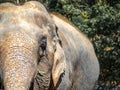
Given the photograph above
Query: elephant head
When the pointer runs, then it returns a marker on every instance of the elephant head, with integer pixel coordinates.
(29, 45)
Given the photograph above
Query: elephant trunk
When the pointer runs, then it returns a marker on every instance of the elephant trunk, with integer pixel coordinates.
(19, 62)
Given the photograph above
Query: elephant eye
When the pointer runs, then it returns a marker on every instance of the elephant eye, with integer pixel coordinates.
(43, 43)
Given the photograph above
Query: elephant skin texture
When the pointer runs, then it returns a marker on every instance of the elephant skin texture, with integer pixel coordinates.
(43, 51)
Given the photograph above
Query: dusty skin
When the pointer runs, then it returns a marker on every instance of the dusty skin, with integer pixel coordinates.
(42, 51)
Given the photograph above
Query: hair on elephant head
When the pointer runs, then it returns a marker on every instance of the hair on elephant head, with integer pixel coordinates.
(30, 48)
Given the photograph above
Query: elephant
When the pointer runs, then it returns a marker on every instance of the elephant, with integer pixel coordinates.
(40, 50)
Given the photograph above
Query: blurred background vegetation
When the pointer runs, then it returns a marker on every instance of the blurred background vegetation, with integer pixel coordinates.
(100, 21)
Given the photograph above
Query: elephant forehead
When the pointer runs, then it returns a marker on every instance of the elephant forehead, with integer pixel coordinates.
(28, 10)
(8, 7)
(32, 17)
(14, 16)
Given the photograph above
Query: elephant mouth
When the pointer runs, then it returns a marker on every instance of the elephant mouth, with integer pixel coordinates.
(42, 79)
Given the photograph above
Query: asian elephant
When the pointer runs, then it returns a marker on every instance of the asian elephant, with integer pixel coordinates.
(43, 51)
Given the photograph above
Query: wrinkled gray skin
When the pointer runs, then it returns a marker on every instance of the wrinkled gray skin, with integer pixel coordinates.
(41, 51)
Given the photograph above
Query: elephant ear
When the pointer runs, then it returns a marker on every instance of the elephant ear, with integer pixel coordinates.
(59, 63)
